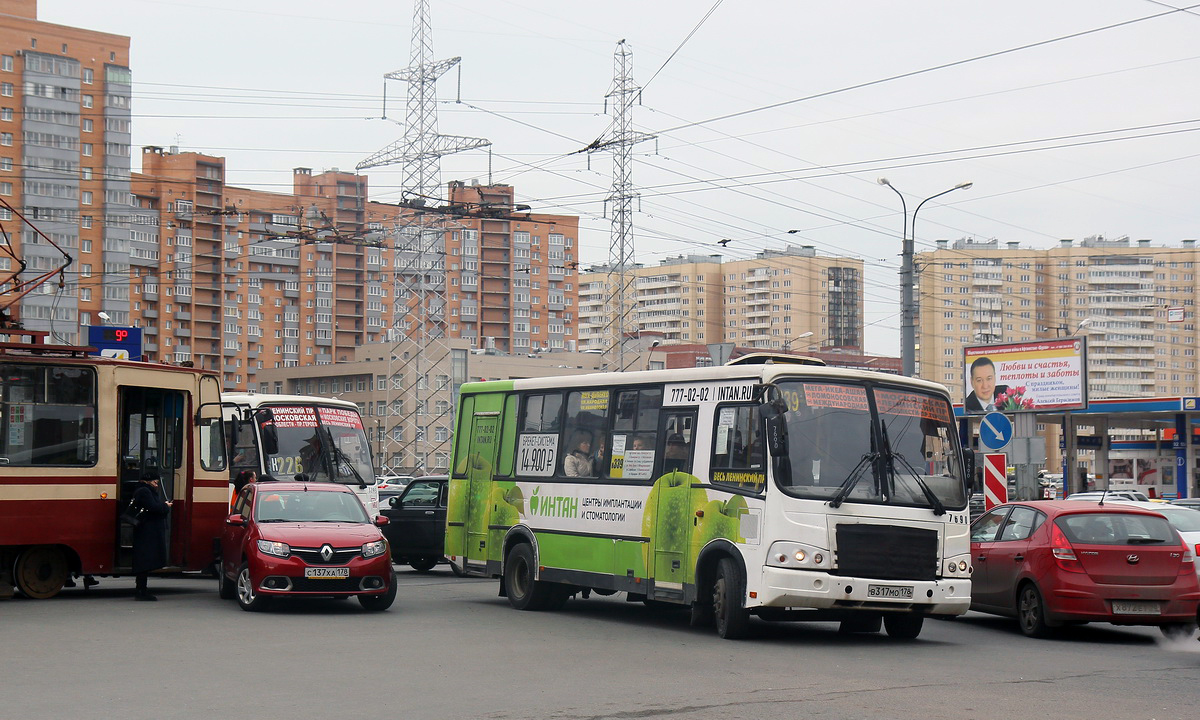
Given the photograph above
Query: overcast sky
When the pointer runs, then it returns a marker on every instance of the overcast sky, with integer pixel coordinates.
(1087, 131)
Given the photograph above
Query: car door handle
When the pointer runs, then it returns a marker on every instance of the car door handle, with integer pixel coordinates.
(981, 558)
(1018, 558)
(428, 512)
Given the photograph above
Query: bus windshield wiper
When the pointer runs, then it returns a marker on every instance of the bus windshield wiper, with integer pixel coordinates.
(852, 479)
(892, 457)
(339, 458)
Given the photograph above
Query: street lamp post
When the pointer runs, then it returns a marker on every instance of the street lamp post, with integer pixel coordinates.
(787, 345)
(908, 305)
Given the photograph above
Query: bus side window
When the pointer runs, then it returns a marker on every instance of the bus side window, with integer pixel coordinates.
(738, 457)
(677, 454)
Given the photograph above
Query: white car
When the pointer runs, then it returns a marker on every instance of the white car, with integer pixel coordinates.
(1185, 521)
(394, 482)
(1098, 495)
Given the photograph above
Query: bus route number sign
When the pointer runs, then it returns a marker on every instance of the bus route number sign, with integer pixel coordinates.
(537, 455)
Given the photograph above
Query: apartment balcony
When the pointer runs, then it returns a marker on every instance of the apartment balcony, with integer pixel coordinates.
(183, 315)
(1109, 355)
(150, 330)
(657, 283)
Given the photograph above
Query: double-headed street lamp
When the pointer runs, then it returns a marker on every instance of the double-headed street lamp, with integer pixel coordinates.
(908, 305)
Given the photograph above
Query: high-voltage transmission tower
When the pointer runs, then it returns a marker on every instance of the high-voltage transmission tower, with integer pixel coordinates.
(419, 275)
(620, 141)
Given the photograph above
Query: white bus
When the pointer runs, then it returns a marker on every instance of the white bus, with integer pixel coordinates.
(283, 436)
(784, 491)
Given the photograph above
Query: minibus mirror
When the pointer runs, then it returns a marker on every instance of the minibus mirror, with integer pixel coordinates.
(968, 463)
(270, 436)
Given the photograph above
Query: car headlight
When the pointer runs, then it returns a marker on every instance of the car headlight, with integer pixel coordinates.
(272, 547)
(372, 549)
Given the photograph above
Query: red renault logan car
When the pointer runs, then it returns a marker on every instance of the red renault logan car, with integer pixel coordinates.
(289, 538)
(1061, 562)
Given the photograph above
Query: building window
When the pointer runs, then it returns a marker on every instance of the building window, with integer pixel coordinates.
(87, 125)
(86, 149)
(6, 63)
(6, 138)
(5, 163)
(5, 188)
(86, 100)
(88, 76)
(6, 114)
(6, 89)
(85, 197)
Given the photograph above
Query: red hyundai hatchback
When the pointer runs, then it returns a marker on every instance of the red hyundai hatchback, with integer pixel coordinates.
(289, 538)
(1052, 563)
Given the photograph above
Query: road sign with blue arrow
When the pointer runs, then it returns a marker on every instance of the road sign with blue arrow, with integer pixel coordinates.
(995, 430)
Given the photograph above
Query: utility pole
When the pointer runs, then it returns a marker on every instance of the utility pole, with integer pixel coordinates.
(620, 141)
(419, 272)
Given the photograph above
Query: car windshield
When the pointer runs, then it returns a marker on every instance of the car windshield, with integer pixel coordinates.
(309, 506)
(905, 453)
(1116, 529)
(326, 444)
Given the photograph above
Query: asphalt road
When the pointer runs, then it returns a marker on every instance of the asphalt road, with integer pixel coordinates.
(450, 648)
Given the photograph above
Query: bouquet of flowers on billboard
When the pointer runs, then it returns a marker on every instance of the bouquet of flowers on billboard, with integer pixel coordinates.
(1013, 399)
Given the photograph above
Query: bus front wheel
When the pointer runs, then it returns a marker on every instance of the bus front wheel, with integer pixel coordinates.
(730, 615)
(525, 592)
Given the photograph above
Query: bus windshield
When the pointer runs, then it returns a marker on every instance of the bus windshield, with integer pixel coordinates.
(327, 444)
(902, 452)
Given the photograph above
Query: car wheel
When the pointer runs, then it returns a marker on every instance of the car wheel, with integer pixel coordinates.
(1031, 612)
(524, 592)
(861, 623)
(1177, 631)
(383, 601)
(247, 597)
(226, 590)
(903, 626)
(423, 564)
(730, 616)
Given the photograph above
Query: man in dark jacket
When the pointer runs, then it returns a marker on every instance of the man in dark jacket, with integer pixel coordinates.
(150, 534)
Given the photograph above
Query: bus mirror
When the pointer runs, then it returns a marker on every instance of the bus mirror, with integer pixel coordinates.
(270, 436)
(777, 442)
(968, 463)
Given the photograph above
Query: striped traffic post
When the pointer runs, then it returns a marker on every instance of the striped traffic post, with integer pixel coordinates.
(995, 480)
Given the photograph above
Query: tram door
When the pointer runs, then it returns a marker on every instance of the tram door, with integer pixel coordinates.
(150, 442)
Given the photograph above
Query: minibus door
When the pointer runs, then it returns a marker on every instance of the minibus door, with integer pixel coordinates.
(485, 439)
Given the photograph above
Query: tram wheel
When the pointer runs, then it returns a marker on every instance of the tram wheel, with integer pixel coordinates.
(41, 571)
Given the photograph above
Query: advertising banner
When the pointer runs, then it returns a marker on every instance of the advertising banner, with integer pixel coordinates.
(1033, 376)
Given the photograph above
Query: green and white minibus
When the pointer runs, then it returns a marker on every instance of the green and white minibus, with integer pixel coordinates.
(785, 491)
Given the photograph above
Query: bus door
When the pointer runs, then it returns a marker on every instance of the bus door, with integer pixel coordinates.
(150, 442)
(673, 532)
(481, 463)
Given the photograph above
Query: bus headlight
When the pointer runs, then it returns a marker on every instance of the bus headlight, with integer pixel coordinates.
(371, 549)
(271, 547)
(798, 556)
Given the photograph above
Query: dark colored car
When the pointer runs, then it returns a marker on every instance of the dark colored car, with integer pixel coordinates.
(1052, 563)
(417, 527)
(284, 539)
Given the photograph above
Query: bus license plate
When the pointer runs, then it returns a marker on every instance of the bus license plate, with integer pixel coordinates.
(322, 573)
(899, 592)
(1135, 607)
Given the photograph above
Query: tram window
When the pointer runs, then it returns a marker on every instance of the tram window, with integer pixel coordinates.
(47, 415)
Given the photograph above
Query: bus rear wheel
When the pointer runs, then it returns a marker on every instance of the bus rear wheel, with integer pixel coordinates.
(524, 592)
(41, 571)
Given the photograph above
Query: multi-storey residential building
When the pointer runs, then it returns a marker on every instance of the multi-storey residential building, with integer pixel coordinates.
(241, 280)
(64, 164)
(769, 301)
(1117, 293)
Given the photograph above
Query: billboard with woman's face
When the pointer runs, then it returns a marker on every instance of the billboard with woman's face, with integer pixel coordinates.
(1026, 377)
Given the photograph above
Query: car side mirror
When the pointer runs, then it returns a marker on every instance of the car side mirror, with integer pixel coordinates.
(236, 519)
(394, 502)
(381, 520)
